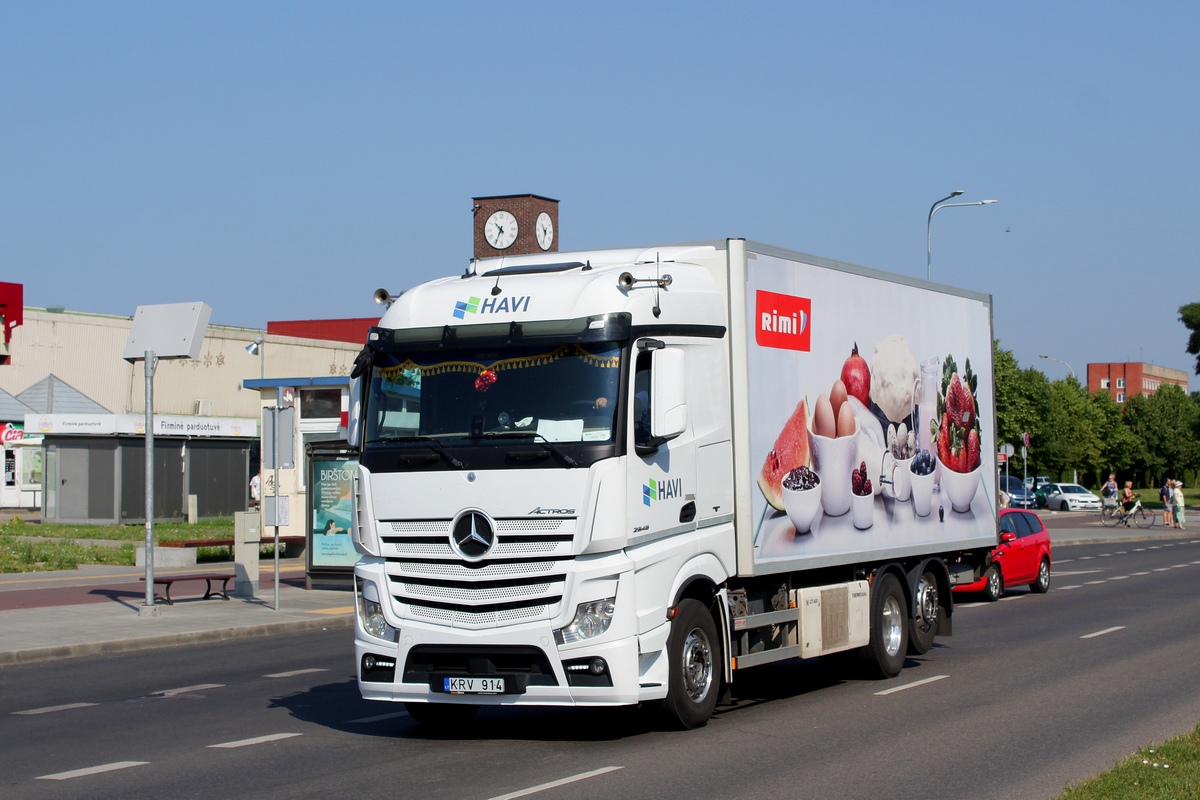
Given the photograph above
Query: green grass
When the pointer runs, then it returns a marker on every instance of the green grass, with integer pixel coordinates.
(18, 554)
(21, 554)
(163, 531)
(1168, 771)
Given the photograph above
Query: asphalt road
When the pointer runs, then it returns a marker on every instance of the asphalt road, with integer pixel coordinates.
(1031, 693)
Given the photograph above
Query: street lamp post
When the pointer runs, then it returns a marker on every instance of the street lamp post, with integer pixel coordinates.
(1065, 364)
(936, 207)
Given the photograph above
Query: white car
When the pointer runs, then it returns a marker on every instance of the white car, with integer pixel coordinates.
(1072, 497)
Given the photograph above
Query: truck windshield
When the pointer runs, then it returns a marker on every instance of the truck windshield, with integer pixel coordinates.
(547, 393)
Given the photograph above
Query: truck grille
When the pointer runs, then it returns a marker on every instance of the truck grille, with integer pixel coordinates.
(522, 578)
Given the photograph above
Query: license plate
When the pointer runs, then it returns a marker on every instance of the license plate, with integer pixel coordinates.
(474, 685)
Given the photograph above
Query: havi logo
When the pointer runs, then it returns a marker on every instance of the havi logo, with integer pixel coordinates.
(782, 321)
(490, 305)
(662, 489)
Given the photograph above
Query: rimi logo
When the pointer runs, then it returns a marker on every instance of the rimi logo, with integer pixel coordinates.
(783, 321)
(661, 489)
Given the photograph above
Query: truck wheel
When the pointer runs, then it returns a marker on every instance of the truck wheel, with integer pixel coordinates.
(993, 584)
(694, 660)
(889, 628)
(1042, 584)
(923, 626)
(441, 716)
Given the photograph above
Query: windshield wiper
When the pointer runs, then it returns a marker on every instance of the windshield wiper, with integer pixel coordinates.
(545, 444)
(432, 442)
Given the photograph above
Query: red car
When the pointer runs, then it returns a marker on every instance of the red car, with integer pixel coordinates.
(1023, 557)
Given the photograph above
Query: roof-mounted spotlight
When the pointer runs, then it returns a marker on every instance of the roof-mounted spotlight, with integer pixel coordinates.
(384, 298)
(255, 347)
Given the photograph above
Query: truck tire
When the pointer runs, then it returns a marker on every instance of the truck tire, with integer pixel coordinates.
(694, 661)
(889, 628)
(441, 716)
(923, 626)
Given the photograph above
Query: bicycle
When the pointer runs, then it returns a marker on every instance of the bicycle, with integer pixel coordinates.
(1116, 515)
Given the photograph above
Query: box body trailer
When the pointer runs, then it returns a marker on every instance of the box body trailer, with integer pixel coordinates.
(620, 476)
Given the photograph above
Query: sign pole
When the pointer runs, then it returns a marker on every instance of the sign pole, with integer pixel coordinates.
(149, 364)
(275, 457)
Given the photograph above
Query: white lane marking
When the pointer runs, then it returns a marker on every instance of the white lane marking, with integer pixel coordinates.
(379, 718)
(553, 784)
(199, 687)
(1105, 555)
(1141, 573)
(273, 737)
(1012, 597)
(1163, 569)
(910, 685)
(1169, 545)
(294, 673)
(1101, 633)
(1086, 558)
(1139, 550)
(1155, 547)
(1060, 573)
(1122, 553)
(1064, 588)
(79, 773)
(49, 709)
(1119, 577)
(1093, 583)
(1178, 566)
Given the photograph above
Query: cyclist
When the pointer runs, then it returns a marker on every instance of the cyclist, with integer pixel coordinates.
(1128, 499)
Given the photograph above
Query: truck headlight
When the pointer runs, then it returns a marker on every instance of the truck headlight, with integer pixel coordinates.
(591, 620)
(370, 613)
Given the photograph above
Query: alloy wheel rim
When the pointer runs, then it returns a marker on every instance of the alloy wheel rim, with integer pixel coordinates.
(893, 625)
(697, 665)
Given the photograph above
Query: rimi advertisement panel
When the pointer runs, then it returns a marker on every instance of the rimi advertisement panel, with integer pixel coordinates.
(871, 418)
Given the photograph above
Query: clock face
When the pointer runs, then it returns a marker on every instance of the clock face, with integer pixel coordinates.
(545, 231)
(500, 230)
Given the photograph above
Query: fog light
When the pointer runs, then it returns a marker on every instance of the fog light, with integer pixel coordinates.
(369, 662)
(597, 666)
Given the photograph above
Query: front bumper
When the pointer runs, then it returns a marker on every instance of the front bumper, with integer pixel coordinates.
(526, 656)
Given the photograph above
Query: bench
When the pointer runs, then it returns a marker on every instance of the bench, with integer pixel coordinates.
(208, 578)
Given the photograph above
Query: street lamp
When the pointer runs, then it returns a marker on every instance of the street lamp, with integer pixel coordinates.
(1065, 364)
(255, 348)
(938, 206)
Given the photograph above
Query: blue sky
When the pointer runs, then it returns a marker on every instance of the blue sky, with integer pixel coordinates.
(284, 160)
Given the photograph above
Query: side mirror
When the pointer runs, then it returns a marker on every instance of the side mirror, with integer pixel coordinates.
(353, 428)
(668, 403)
(1008, 536)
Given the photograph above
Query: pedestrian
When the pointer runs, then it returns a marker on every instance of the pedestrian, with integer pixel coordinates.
(1109, 491)
(1179, 516)
(1167, 495)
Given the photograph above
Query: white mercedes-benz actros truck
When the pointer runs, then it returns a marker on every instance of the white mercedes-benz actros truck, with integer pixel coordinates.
(619, 476)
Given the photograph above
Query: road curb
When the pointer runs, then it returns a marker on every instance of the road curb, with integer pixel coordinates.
(132, 644)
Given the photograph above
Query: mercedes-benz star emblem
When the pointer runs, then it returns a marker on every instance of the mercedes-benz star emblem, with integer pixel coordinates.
(473, 534)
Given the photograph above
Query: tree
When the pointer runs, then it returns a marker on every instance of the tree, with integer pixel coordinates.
(1117, 445)
(1189, 315)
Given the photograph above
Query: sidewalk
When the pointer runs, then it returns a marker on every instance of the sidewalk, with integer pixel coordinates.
(94, 610)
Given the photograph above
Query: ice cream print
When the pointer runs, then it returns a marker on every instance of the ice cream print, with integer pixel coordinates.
(880, 436)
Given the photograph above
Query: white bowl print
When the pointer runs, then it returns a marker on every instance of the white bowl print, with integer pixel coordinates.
(960, 487)
(922, 491)
(835, 460)
(802, 506)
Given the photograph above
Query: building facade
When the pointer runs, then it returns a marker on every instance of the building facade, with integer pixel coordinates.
(1123, 380)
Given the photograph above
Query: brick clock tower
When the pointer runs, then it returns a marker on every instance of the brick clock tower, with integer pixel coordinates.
(515, 224)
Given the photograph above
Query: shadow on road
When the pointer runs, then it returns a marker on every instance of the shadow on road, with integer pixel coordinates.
(339, 706)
